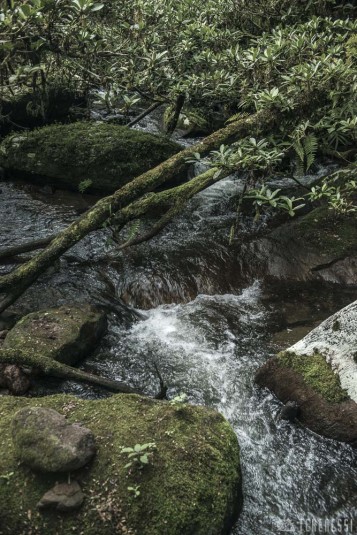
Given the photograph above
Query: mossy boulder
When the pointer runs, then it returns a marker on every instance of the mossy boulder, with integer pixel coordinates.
(100, 156)
(66, 333)
(319, 373)
(191, 486)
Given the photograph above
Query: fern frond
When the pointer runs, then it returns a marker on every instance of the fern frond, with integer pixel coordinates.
(134, 229)
(237, 117)
(299, 149)
(310, 144)
(299, 166)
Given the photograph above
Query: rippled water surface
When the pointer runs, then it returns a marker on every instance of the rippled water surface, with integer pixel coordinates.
(204, 332)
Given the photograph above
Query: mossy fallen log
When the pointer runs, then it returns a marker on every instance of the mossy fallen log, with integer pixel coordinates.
(19, 280)
(10, 252)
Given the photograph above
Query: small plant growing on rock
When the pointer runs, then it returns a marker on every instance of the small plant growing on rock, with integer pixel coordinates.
(180, 398)
(139, 455)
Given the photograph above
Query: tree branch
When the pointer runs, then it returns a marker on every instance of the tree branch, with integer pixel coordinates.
(9, 252)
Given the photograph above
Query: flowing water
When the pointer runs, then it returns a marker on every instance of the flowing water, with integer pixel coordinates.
(207, 334)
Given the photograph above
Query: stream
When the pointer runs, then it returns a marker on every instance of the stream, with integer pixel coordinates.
(207, 331)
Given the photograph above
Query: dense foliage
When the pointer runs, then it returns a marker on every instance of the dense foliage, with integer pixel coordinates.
(223, 59)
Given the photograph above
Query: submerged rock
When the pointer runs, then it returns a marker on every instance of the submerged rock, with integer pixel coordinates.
(99, 156)
(63, 497)
(319, 373)
(65, 334)
(45, 441)
(192, 483)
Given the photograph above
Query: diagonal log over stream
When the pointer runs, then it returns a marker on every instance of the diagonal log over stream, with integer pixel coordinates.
(128, 202)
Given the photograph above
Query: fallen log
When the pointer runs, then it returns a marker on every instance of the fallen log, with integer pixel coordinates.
(25, 275)
(57, 369)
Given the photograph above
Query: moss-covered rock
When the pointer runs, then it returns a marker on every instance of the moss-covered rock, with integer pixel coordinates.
(324, 407)
(65, 334)
(105, 156)
(319, 373)
(46, 442)
(191, 486)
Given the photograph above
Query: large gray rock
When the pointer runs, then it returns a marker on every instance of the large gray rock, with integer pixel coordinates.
(46, 442)
(66, 334)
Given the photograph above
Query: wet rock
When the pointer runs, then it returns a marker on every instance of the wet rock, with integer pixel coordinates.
(65, 334)
(3, 383)
(15, 379)
(289, 411)
(101, 157)
(45, 441)
(47, 190)
(23, 110)
(63, 497)
(319, 374)
(316, 247)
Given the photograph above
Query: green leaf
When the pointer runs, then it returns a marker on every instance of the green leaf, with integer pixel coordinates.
(97, 7)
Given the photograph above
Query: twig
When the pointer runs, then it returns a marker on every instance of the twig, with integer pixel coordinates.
(145, 113)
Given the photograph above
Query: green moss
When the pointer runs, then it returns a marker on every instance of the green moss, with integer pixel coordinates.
(322, 231)
(317, 374)
(192, 485)
(107, 155)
